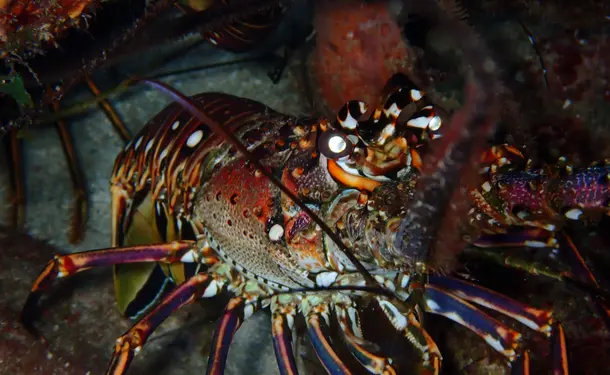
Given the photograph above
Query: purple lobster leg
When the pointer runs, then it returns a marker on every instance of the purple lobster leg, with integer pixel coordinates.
(497, 335)
(317, 317)
(62, 266)
(282, 320)
(581, 271)
(532, 237)
(349, 321)
(132, 341)
(536, 319)
(232, 319)
(537, 237)
(560, 353)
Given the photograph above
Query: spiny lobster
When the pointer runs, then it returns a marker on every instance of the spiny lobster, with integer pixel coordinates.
(314, 217)
(208, 204)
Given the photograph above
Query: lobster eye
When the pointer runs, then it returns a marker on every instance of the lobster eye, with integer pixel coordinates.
(335, 145)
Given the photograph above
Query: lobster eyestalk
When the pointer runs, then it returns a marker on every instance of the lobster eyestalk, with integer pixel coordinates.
(451, 166)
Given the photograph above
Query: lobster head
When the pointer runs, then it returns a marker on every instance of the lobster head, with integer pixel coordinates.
(377, 159)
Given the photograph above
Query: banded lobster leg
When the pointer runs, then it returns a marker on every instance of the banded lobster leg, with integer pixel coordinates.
(317, 317)
(497, 335)
(407, 324)
(317, 313)
(512, 200)
(250, 299)
(284, 310)
(208, 284)
(202, 285)
(79, 216)
(62, 266)
(444, 296)
(451, 298)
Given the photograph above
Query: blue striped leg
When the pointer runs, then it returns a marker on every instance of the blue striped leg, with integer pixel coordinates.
(538, 237)
(283, 312)
(349, 322)
(130, 343)
(237, 311)
(316, 311)
(407, 323)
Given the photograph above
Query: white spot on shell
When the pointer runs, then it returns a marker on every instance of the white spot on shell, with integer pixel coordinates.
(405, 281)
(194, 139)
(536, 244)
(522, 215)
(149, 145)
(419, 122)
(175, 125)
(276, 232)
(138, 143)
(325, 279)
(211, 290)
(189, 257)
(573, 214)
(432, 305)
(353, 138)
(163, 154)
(350, 122)
(435, 123)
(416, 95)
(393, 111)
(363, 107)
(337, 144)
(248, 311)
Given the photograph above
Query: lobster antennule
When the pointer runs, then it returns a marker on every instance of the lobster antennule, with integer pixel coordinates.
(451, 163)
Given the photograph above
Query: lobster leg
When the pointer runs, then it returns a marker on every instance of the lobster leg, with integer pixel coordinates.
(532, 237)
(580, 270)
(448, 297)
(415, 333)
(347, 315)
(497, 335)
(111, 113)
(537, 237)
(536, 319)
(79, 216)
(66, 265)
(17, 193)
(521, 365)
(231, 320)
(237, 311)
(317, 318)
(560, 356)
(283, 314)
(132, 341)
